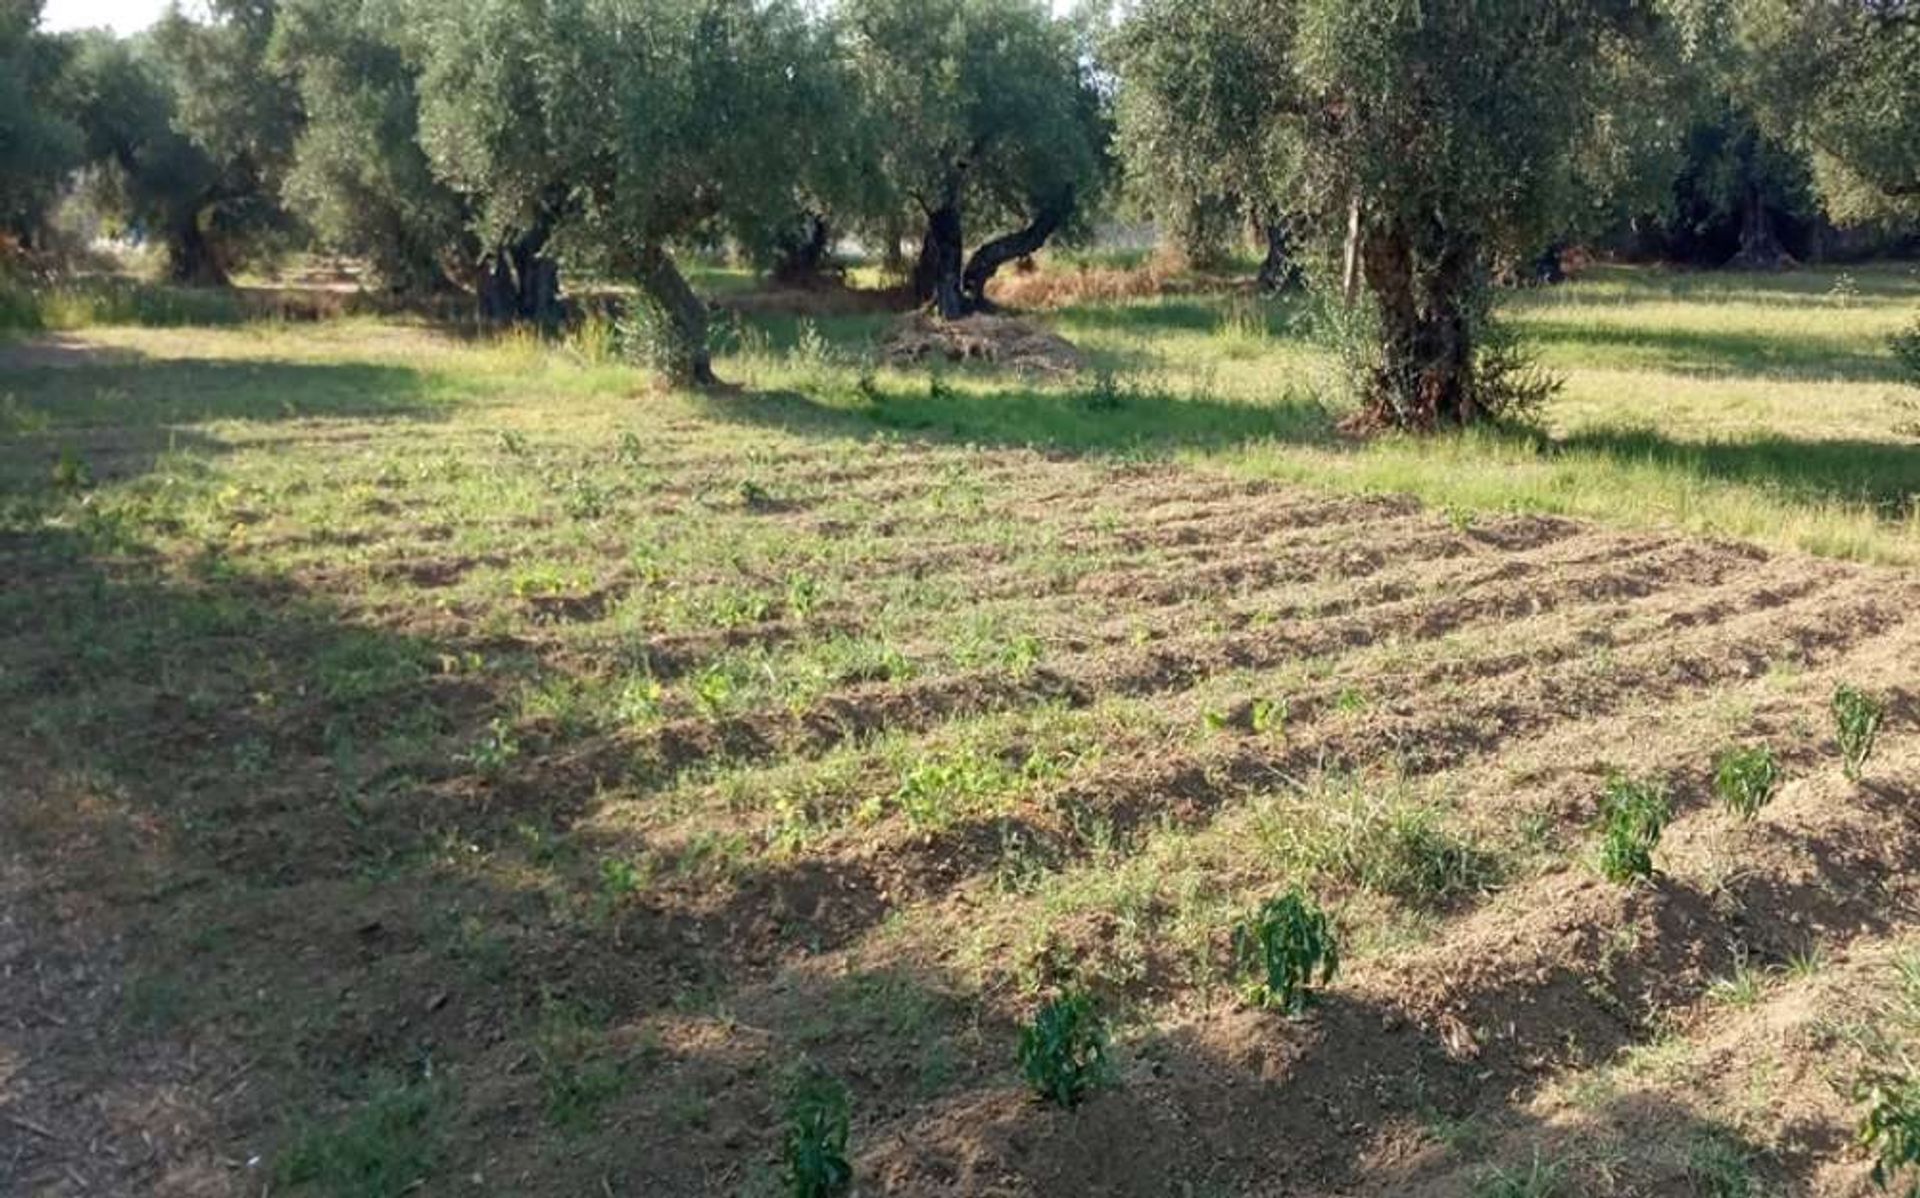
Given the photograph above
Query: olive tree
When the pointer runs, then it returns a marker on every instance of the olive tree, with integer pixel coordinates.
(621, 128)
(39, 145)
(203, 203)
(1198, 129)
(990, 116)
(358, 177)
(1420, 142)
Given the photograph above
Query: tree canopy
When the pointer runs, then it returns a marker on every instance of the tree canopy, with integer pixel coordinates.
(39, 145)
(989, 117)
(1410, 151)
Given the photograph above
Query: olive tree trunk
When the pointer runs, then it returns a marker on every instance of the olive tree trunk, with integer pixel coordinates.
(521, 283)
(1277, 270)
(683, 354)
(937, 276)
(1423, 378)
(989, 258)
(193, 260)
(1760, 247)
(805, 253)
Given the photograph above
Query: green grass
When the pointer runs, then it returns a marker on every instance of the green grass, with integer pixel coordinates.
(1767, 408)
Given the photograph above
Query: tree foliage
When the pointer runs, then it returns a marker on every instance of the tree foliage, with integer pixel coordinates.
(989, 117)
(1203, 133)
(38, 143)
(358, 175)
(1840, 81)
(185, 131)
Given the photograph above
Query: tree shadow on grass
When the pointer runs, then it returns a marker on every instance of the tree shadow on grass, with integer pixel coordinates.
(1094, 417)
(111, 412)
(116, 388)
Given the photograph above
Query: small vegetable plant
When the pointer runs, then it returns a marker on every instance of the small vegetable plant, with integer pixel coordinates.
(1633, 813)
(1288, 947)
(1857, 717)
(1891, 1129)
(1746, 778)
(815, 1149)
(1063, 1052)
(1268, 716)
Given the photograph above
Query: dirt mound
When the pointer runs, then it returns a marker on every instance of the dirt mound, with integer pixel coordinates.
(1000, 340)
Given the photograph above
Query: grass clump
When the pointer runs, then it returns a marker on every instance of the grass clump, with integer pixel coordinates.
(1857, 717)
(1345, 832)
(1633, 813)
(1719, 1166)
(1540, 1179)
(814, 1151)
(388, 1145)
(1746, 779)
(577, 1077)
(1063, 1052)
(1288, 948)
(1906, 350)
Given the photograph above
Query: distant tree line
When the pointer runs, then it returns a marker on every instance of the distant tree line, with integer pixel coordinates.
(1401, 156)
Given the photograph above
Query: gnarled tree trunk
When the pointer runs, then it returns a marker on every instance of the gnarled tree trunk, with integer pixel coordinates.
(1048, 216)
(193, 260)
(686, 358)
(521, 283)
(1424, 377)
(804, 253)
(1760, 247)
(937, 276)
(1277, 269)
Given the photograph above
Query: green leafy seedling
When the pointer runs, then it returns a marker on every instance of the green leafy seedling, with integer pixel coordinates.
(815, 1149)
(1288, 948)
(1891, 1129)
(1269, 715)
(1633, 813)
(1746, 779)
(1063, 1052)
(1857, 716)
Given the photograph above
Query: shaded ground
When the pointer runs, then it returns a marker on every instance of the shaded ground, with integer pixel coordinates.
(501, 782)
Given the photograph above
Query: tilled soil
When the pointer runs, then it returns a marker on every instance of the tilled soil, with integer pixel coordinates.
(204, 958)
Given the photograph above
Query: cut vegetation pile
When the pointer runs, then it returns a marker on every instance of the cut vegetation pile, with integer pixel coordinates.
(1003, 341)
(461, 776)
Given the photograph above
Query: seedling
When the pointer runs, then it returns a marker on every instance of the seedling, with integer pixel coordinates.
(71, 472)
(1063, 1052)
(495, 750)
(815, 1149)
(1891, 1129)
(714, 690)
(1021, 656)
(803, 594)
(1269, 715)
(1857, 717)
(620, 878)
(1289, 948)
(1745, 779)
(1633, 814)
